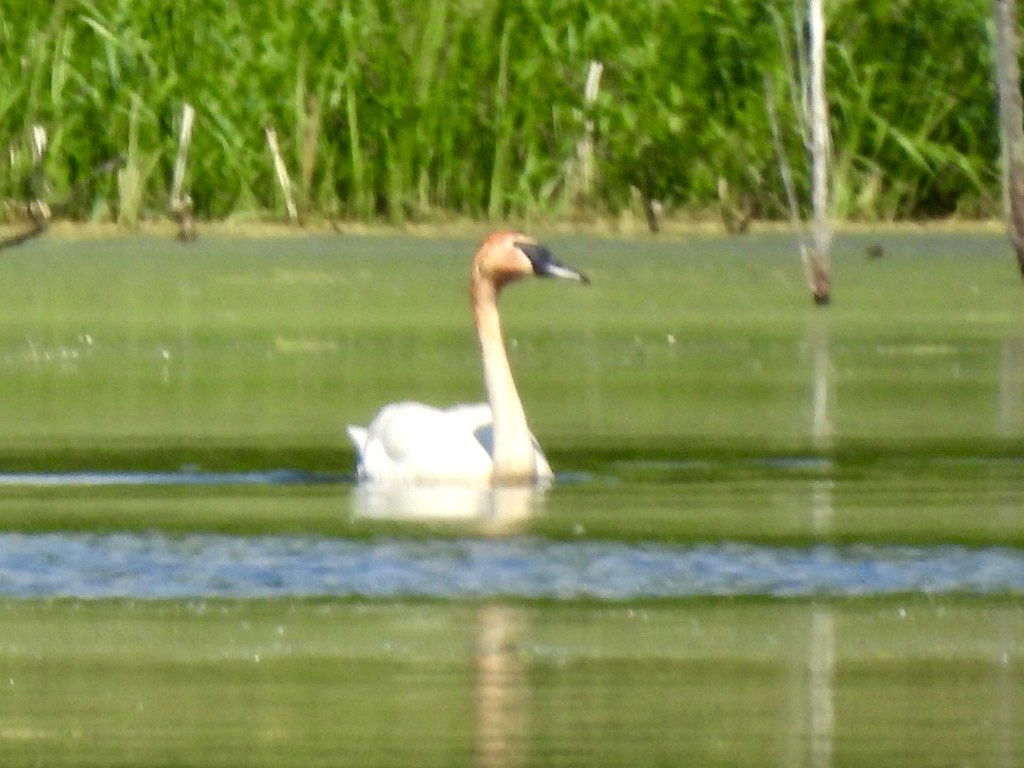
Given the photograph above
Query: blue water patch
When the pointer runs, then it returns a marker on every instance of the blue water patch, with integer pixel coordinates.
(193, 476)
(160, 566)
(188, 477)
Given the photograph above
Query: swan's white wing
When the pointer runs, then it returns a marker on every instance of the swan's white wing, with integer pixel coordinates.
(413, 441)
(358, 436)
(416, 442)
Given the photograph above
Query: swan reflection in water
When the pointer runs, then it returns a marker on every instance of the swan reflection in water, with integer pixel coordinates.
(500, 693)
(490, 509)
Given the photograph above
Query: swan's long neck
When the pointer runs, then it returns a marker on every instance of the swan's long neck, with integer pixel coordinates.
(514, 455)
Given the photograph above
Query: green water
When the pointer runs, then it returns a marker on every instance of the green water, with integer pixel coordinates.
(691, 394)
(168, 352)
(913, 681)
(913, 500)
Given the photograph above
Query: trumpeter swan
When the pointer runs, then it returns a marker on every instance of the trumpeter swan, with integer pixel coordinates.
(485, 443)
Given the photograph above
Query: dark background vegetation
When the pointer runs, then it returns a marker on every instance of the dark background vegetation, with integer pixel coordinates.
(402, 110)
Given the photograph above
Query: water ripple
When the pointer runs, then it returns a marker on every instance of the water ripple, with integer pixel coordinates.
(158, 566)
(188, 477)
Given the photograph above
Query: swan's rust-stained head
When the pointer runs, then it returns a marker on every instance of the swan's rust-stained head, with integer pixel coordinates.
(507, 256)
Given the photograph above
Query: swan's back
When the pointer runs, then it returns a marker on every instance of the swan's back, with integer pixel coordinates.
(416, 442)
(413, 442)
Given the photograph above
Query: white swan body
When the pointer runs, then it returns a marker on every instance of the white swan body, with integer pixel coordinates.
(414, 442)
(482, 443)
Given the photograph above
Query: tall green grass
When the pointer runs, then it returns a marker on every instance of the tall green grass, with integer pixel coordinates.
(420, 109)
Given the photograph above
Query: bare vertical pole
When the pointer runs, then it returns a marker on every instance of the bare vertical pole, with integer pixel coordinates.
(820, 151)
(805, 72)
(585, 146)
(181, 206)
(39, 143)
(38, 210)
(282, 173)
(188, 116)
(1011, 119)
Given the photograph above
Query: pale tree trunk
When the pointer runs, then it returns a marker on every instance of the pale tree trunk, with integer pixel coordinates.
(819, 269)
(1011, 119)
(805, 71)
(181, 204)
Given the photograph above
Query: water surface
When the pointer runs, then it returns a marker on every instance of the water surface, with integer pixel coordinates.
(778, 535)
(152, 567)
(901, 681)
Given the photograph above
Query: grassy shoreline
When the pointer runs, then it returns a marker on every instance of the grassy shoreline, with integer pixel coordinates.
(624, 227)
